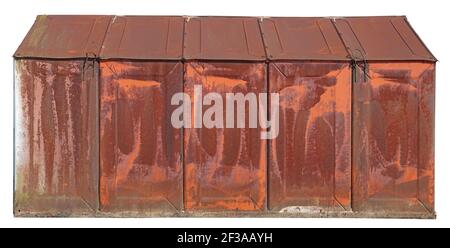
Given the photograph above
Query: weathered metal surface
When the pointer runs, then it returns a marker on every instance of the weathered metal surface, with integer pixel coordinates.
(225, 169)
(144, 37)
(393, 138)
(64, 37)
(356, 131)
(382, 38)
(302, 39)
(310, 159)
(56, 136)
(140, 151)
(223, 38)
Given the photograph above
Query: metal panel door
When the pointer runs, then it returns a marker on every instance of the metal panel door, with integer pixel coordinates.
(225, 169)
(310, 160)
(393, 138)
(140, 151)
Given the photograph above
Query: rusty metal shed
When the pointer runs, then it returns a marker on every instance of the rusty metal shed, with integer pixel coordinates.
(93, 104)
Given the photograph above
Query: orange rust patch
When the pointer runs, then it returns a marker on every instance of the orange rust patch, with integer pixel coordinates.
(128, 84)
(111, 68)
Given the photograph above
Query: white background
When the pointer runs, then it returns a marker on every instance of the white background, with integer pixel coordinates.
(429, 18)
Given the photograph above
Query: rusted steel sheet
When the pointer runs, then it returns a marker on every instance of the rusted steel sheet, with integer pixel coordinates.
(225, 169)
(56, 136)
(144, 37)
(310, 160)
(298, 38)
(223, 38)
(382, 38)
(64, 37)
(140, 151)
(393, 142)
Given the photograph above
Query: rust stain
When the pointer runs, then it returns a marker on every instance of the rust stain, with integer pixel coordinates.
(130, 84)
(211, 82)
(116, 69)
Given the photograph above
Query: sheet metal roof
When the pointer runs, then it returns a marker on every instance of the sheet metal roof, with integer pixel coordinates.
(144, 37)
(382, 38)
(224, 38)
(302, 38)
(64, 37)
